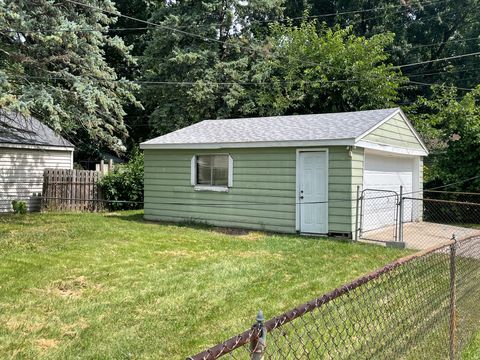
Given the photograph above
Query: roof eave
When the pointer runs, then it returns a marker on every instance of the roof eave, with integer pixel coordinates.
(37, 146)
(252, 144)
(391, 149)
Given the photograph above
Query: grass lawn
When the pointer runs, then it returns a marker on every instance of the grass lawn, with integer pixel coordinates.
(472, 352)
(113, 286)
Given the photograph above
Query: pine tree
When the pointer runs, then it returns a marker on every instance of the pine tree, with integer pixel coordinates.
(53, 66)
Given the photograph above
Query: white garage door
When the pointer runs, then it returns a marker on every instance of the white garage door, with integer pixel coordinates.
(385, 173)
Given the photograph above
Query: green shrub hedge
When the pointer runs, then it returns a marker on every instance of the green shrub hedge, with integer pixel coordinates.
(123, 187)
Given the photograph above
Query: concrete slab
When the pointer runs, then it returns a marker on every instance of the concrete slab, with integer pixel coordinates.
(421, 235)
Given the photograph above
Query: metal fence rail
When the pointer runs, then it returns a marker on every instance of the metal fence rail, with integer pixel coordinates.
(424, 306)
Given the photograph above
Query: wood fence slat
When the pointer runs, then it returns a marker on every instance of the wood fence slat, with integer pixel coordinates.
(71, 190)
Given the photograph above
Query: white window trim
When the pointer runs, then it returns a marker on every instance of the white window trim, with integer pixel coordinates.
(211, 188)
(219, 188)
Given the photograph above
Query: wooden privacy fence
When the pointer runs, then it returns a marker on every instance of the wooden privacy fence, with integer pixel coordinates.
(74, 190)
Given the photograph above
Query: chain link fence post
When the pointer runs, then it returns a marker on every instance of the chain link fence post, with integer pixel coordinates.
(453, 298)
(357, 214)
(259, 343)
(400, 216)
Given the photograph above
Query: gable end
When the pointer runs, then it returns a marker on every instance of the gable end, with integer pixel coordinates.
(396, 132)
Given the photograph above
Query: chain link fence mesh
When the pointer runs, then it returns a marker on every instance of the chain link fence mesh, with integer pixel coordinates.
(440, 218)
(404, 310)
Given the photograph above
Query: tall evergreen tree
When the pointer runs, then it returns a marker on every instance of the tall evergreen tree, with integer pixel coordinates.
(53, 66)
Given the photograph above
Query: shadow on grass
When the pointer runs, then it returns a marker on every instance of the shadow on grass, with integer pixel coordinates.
(196, 224)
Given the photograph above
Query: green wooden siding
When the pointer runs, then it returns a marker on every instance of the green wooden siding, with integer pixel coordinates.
(394, 132)
(263, 195)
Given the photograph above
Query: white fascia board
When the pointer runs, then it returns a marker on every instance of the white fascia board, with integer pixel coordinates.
(37, 147)
(260, 144)
(391, 149)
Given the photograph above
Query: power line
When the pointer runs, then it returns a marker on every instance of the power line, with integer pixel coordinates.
(231, 83)
(252, 21)
(442, 72)
(204, 38)
(430, 84)
(190, 83)
(349, 12)
(73, 30)
(445, 42)
(225, 43)
(454, 183)
(436, 60)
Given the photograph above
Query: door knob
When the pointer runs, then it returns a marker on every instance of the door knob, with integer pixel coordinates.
(301, 196)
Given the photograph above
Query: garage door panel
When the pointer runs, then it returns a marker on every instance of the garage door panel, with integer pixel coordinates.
(388, 174)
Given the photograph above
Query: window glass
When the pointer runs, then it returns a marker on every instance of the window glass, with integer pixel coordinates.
(204, 172)
(220, 170)
(212, 170)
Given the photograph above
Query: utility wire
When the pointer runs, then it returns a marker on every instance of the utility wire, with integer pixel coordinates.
(445, 42)
(72, 30)
(146, 22)
(436, 60)
(225, 43)
(231, 83)
(218, 24)
(430, 84)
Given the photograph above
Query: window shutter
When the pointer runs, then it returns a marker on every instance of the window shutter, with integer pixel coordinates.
(230, 171)
(193, 171)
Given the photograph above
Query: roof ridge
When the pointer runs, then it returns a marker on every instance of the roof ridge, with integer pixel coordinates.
(302, 115)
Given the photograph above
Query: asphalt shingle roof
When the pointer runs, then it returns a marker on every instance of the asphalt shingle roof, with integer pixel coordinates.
(332, 126)
(18, 129)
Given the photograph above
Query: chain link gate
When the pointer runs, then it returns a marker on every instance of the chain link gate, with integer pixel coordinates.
(379, 214)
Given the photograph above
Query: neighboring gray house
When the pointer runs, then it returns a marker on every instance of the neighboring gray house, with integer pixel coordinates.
(27, 147)
(289, 174)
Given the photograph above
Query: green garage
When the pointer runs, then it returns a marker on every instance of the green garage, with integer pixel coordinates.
(297, 173)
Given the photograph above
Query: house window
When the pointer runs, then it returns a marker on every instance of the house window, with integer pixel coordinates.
(212, 172)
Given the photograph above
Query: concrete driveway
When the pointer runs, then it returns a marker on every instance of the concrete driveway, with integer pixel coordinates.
(420, 235)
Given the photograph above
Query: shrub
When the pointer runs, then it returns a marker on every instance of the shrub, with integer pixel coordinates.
(19, 207)
(125, 183)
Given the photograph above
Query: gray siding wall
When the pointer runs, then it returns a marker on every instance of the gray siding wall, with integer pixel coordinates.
(21, 174)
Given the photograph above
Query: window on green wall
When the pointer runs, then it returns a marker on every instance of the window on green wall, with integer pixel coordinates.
(212, 170)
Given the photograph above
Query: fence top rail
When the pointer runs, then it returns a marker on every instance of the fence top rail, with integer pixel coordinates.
(452, 192)
(247, 336)
(443, 201)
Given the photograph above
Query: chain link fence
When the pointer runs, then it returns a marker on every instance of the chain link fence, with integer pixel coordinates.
(418, 220)
(439, 215)
(424, 306)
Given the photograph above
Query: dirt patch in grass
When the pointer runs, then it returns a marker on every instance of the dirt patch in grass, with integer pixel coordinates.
(241, 233)
(73, 330)
(46, 344)
(71, 287)
(202, 255)
(22, 323)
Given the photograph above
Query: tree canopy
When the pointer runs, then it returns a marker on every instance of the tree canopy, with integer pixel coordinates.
(450, 126)
(53, 66)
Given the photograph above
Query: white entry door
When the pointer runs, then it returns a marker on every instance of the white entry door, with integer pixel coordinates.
(313, 192)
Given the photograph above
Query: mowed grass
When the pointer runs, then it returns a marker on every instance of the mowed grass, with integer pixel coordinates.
(472, 352)
(103, 286)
